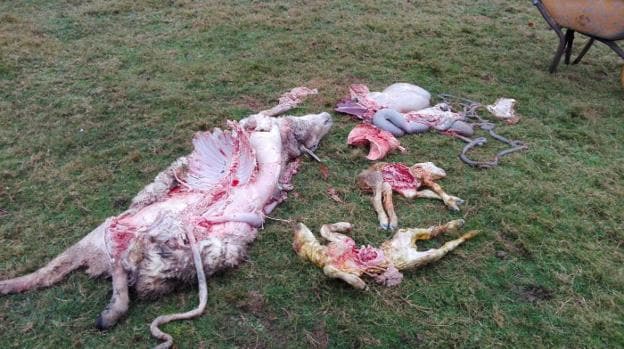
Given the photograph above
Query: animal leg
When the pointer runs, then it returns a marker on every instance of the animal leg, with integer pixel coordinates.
(378, 205)
(428, 194)
(331, 232)
(452, 202)
(351, 279)
(118, 305)
(251, 218)
(308, 247)
(425, 194)
(434, 254)
(451, 226)
(414, 234)
(389, 206)
(88, 252)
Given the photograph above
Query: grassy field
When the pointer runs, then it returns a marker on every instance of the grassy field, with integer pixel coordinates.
(96, 97)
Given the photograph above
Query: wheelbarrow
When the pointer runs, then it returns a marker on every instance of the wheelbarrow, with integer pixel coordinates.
(600, 20)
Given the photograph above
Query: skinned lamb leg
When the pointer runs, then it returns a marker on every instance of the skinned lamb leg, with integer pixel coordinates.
(404, 244)
(377, 199)
(389, 206)
(118, 306)
(332, 233)
(435, 254)
(350, 278)
(414, 234)
(308, 247)
(452, 202)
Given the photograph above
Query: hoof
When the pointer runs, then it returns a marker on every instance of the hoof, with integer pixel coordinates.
(100, 324)
(456, 224)
(454, 207)
(384, 226)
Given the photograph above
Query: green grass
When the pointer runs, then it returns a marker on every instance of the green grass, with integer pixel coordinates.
(138, 78)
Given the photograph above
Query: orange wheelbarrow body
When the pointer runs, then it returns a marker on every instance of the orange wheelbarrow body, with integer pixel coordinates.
(601, 20)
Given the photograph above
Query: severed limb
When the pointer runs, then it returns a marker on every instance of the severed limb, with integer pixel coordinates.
(203, 299)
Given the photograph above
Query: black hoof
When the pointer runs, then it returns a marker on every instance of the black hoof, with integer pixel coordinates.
(102, 324)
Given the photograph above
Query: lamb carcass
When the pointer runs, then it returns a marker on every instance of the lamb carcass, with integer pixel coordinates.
(198, 216)
(342, 259)
(383, 178)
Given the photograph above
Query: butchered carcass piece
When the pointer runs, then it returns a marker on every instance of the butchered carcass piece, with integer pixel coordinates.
(402, 97)
(197, 217)
(381, 142)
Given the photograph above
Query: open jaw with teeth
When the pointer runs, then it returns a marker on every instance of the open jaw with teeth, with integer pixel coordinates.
(342, 259)
(197, 217)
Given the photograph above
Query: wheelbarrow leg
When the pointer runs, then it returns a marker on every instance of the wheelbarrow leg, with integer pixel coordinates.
(614, 47)
(584, 51)
(557, 29)
(569, 40)
(562, 45)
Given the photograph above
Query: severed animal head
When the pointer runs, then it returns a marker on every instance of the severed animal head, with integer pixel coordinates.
(302, 134)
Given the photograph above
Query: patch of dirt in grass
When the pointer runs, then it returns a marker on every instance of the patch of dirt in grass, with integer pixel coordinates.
(252, 103)
(259, 321)
(121, 203)
(534, 293)
(253, 303)
(367, 341)
(510, 242)
(318, 338)
(412, 340)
